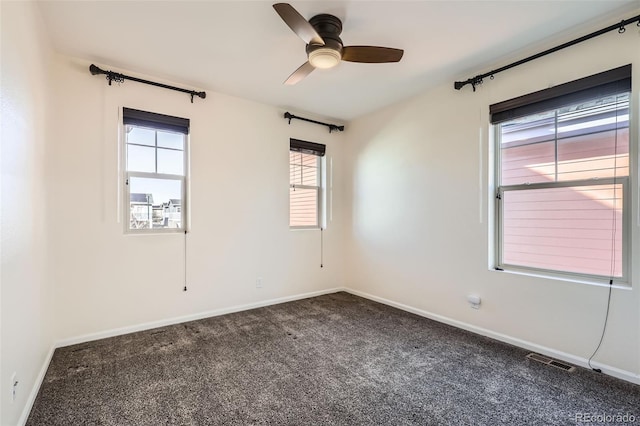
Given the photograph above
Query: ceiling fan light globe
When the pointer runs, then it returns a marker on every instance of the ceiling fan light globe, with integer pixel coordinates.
(324, 58)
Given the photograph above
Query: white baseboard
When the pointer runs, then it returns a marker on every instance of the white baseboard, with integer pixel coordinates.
(573, 359)
(31, 399)
(186, 318)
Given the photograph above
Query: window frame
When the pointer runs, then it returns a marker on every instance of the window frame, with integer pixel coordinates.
(625, 181)
(127, 175)
(318, 188)
(597, 86)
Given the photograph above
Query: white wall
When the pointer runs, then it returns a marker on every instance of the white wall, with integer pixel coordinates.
(239, 209)
(25, 145)
(414, 216)
(420, 221)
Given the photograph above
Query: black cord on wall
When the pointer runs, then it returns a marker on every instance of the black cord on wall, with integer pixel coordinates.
(321, 247)
(185, 261)
(614, 228)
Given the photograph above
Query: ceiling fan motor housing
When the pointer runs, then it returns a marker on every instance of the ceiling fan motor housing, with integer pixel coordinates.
(326, 24)
(329, 28)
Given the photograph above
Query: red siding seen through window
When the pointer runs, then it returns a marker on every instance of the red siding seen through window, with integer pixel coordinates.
(562, 175)
(304, 189)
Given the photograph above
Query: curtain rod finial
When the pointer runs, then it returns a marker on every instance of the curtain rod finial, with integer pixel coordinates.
(94, 70)
(459, 85)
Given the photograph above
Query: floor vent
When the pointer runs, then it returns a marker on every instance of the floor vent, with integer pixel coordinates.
(550, 361)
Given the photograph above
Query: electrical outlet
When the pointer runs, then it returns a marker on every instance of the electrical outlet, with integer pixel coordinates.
(259, 282)
(14, 386)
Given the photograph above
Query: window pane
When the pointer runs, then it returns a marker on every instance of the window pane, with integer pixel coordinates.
(295, 168)
(580, 141)
(594, 155)
(170, 162)
(171, 140)
(309, 160)
(530, 129)
(565, 229)
(303, 207)
(533, 163)
(141, 136)
(598, 115)
(295, 175)
(141, 159)
(310, 176)
(303, 169)
(155, 203)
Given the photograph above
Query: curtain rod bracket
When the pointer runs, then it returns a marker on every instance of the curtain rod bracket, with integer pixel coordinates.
(477, 80)
(119, 78)
(112, 76)
(332, 127)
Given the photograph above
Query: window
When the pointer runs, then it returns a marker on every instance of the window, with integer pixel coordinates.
(305, 177)
(562, 177)
(155, 154)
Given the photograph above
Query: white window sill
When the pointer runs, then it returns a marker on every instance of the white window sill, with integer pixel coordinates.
(157, 232)
(561, 277)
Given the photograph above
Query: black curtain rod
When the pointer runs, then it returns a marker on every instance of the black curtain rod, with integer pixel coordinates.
(331, 127)
(477, 80)
(119, 78)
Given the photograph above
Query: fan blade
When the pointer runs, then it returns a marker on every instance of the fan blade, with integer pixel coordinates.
(298, 24)
(371, 54)
(304, 70)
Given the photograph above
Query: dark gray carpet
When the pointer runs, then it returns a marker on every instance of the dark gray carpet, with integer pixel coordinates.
(335, 359)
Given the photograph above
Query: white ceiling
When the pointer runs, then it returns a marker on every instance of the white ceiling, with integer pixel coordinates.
(243, 48)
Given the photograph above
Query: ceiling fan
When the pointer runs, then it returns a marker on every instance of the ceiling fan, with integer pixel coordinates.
(324, 46)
